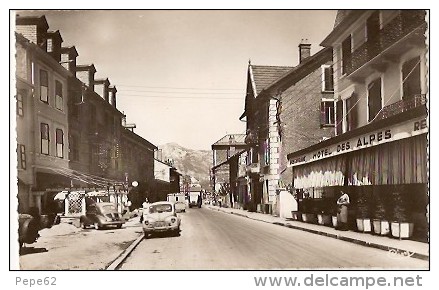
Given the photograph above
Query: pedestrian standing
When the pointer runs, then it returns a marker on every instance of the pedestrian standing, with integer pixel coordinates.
(342, 214)
(144, 208)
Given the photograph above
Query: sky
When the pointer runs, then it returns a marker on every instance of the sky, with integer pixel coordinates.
(181, 74)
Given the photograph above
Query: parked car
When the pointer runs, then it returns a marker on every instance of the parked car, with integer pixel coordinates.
(28, 228)
(161, 217)
(180, 206)
(179, 200)
(100, 215)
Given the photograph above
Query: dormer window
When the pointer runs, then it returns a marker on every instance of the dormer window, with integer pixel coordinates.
(49, 45)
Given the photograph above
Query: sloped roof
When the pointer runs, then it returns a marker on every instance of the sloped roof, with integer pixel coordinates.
(343, 20)
(341, 15)
(239, 139)
(303, 69)
(264, 76)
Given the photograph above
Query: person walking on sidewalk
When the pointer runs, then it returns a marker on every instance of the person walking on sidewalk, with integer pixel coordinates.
(342, 214)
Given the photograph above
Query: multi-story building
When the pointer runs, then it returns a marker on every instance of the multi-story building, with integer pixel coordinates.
(70, 133)
(137, 164)
(292, 110)
(167, 180)
(256, 113)
(380, 87)
(225, 175)
(42, 114)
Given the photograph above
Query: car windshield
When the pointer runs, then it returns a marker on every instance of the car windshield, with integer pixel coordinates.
(108, 208)
(160, 208)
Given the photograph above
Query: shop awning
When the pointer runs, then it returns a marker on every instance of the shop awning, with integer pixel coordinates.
(323, 173)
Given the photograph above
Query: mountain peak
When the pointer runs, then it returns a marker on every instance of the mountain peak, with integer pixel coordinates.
(192, 162)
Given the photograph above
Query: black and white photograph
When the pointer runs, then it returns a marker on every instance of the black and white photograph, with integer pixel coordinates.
(221, 140)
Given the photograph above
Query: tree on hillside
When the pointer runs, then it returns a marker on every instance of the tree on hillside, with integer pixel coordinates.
(186, 183)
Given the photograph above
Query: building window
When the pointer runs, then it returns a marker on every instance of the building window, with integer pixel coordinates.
(327, 113)
(44, 128)
(346, 54)
(411, 78)
(20, 111)
(22, 156)
(59, 101)
(373, 34)
(374, 98)
(49, 45)
(59, 143)
(358, 37)
(327, 79)
(44, 86)
(373, 26)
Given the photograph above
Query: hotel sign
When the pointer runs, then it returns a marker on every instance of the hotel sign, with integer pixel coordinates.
(393, 133)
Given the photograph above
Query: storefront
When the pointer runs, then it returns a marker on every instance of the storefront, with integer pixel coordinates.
(382, 166)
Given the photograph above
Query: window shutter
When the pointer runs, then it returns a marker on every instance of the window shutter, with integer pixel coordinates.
(339, 117)
(22, 156)
(346, 48)
(322, 113)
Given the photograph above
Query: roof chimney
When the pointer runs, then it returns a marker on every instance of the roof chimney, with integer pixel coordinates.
(101, 87)
(33, 28)
(86, 74)
(113, 91)
(68, 58)
(304, 50)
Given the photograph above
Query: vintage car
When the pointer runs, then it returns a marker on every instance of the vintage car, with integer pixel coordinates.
(28, 227)
(180, 206)
(179, 200)
(161, 217)
(100, 215)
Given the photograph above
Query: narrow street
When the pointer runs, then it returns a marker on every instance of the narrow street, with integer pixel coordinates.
(212, 240)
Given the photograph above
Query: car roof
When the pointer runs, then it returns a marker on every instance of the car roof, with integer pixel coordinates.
(161, 202)
(104, 203)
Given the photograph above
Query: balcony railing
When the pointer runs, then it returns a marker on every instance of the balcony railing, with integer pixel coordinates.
(403, 24)
(401, 106)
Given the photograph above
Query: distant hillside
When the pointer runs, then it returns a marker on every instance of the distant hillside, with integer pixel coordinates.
(195, 163)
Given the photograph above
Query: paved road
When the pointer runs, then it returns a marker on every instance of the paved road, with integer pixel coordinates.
(212, 240)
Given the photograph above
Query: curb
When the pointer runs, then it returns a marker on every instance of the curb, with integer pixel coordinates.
(342, 238)
(122, 257)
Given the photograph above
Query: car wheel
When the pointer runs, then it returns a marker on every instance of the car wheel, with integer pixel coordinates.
(119, 226)
(83, 225)
(97, 226)
(146, 236)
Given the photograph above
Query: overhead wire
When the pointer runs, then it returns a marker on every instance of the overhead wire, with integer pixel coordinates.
(319, 78)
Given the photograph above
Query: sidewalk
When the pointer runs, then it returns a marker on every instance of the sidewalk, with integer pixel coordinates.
(67, 247)
(414, 249)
